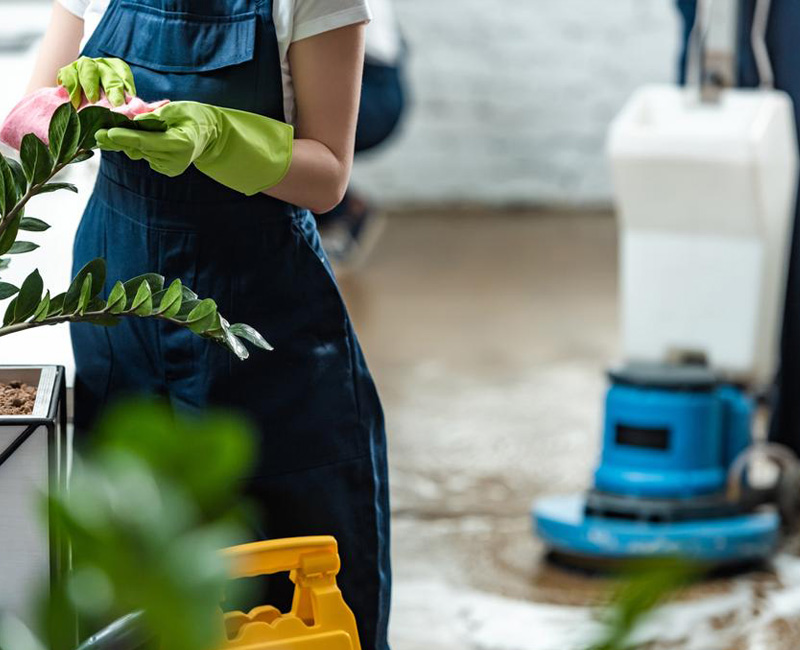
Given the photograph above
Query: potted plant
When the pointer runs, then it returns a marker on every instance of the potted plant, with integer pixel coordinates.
(32, 399)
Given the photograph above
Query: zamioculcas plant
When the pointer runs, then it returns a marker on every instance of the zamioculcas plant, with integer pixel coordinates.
(72, 140)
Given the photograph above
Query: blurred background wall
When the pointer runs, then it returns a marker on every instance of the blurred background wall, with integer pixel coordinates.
(510, 104)
(512, 99)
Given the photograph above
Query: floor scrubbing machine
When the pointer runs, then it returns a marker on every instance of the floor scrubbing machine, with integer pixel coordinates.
(672, 434)
(705, 184)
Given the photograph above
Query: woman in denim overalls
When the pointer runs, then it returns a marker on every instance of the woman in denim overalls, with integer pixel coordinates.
(322, 466)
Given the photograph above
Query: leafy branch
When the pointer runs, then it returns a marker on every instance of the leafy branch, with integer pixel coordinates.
(72, 139)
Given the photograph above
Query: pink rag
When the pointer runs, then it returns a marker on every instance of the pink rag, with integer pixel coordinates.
(33, 113)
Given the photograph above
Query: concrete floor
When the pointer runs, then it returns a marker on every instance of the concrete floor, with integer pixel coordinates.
(488, 335)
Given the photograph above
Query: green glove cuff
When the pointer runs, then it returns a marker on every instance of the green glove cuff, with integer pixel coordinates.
(250, 154)
(244, 151)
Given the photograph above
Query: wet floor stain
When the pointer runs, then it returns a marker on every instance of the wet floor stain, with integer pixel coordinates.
(488, 335)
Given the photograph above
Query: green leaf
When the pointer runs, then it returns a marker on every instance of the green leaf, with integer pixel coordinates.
(56, 305)
(9, 194)
(117, 299)
(30, 294)
(232, 342)
(155, 281)
(32, 224)
(19, 176)
(236, 346)
(85, 295)
(54, 187)
(158, 296)
(9, 236)
(7, 290)
(8, 317)
(94, 118)
(203, 316)
(84, 155)
(4, 262)
(4, 201)
(19, 247)
(143, 300)
(96, 304)
(41, 311)
(65, 131)
(216, 333)
(37, 163)
(187, 305)
(171, 301)
(188, 294)
(249, 334)
(97, 269)
(649, 583)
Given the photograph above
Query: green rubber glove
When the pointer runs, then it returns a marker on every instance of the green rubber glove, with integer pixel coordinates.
(88, 76)
(247, 152)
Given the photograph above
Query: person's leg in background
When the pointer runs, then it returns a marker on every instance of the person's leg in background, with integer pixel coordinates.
(350, 230)
(782, 31)
(688, 11)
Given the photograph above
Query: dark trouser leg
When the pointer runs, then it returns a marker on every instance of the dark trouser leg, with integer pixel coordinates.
(784, 25)
(783, 28)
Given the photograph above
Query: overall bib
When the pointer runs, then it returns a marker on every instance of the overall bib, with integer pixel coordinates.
(322, 463)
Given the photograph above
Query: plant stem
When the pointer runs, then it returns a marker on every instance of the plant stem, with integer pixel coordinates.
(87, 317)
(33, 190)
(20, 327)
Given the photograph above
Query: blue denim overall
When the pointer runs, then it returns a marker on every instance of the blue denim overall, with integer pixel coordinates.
(322, 465)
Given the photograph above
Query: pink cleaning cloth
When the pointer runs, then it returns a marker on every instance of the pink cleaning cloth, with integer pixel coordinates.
(33, 113)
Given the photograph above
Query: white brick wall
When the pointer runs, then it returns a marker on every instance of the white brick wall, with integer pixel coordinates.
(512, 98)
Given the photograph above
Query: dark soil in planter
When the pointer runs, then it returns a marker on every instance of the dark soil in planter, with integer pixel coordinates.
(16, 398)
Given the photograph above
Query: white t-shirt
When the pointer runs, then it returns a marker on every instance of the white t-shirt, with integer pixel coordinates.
(294, 20)
(384, 44)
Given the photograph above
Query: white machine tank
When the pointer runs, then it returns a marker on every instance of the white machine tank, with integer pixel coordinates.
(705, 195)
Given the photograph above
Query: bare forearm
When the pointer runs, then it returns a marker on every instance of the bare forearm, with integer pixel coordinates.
(327, 81)
(316, 179)
(59, 47)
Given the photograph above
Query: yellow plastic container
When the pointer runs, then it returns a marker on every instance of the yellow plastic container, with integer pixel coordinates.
(319, 618)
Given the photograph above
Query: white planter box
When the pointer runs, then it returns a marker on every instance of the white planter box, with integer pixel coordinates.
(33, 461)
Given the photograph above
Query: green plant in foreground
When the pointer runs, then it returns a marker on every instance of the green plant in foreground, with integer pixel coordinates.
(647, 585)
(148, 510)
(72, 140)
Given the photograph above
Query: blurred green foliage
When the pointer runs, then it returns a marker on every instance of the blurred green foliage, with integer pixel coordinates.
(646, 585)
(149, 507)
